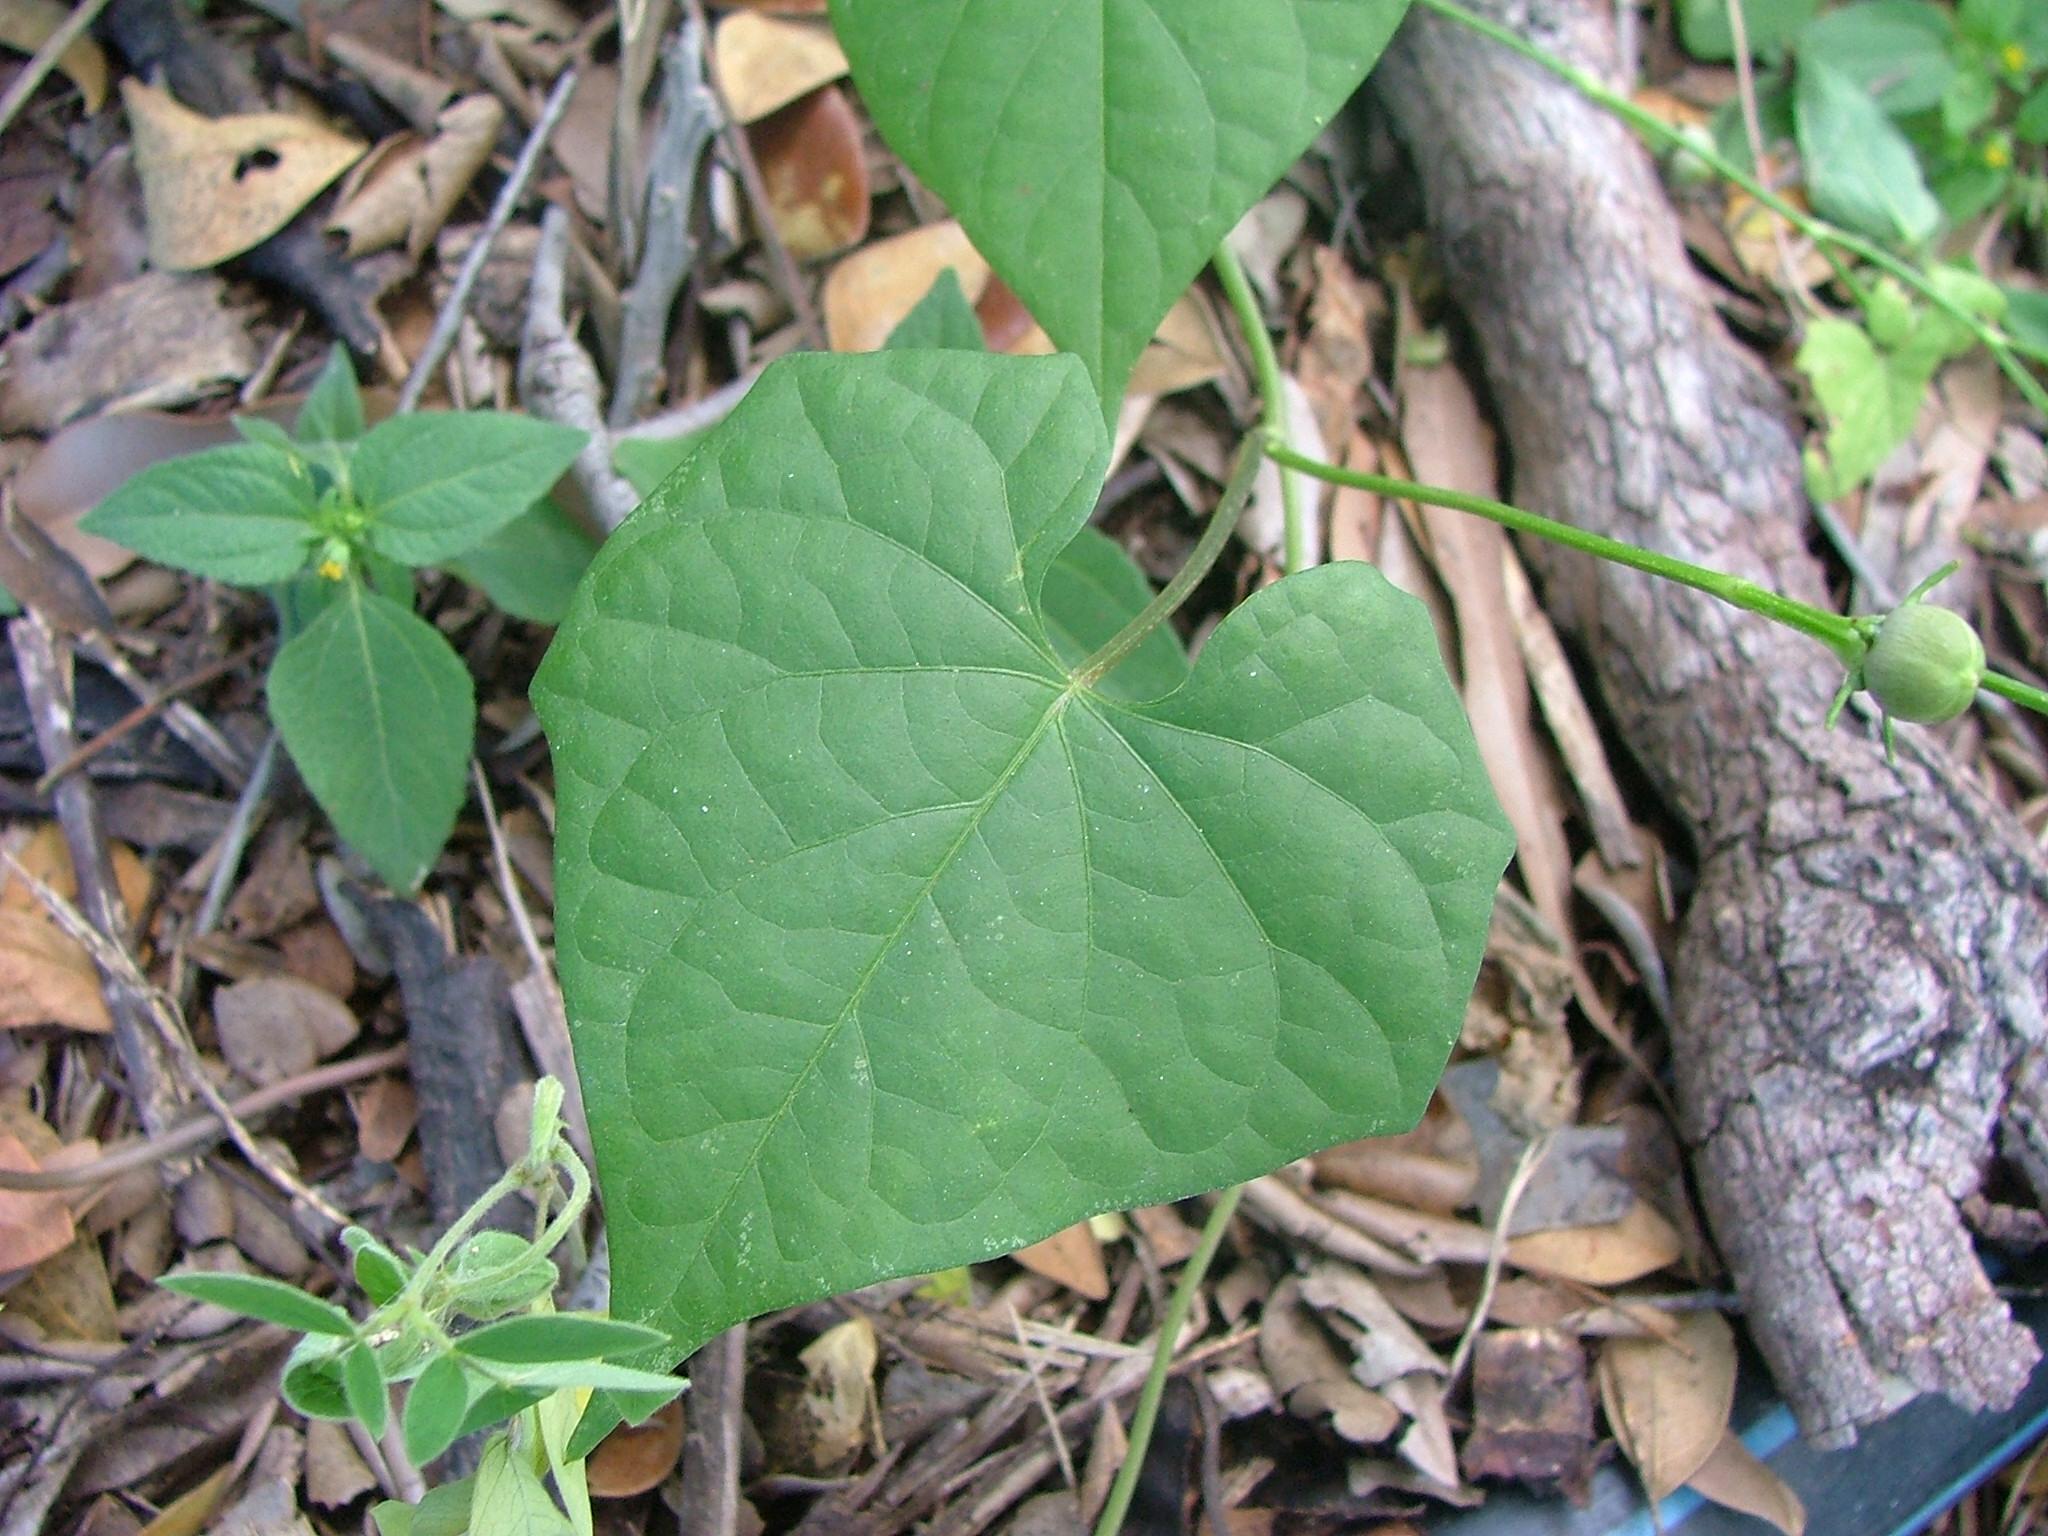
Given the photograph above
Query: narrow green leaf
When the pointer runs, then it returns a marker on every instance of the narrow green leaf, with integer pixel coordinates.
(552, 1336)
(434, 1406)
(2030, 123)
(266, 1300)
(887, 946)
(363, 1384)
(530, 566)
(379, 715)
(2026, 320)
(494, 1405)
(556, 1416)
(942, 318)
(333, 410)
(598, 1376)
(1096, 151)
(436, 484)
(238, 514)
(510, 1499)
(1860, 170)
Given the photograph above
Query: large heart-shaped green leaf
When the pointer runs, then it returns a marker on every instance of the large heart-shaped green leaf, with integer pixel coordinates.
(1097, 150)
(887, 945)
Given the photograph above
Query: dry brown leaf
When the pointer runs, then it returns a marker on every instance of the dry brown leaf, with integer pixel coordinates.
(68, 1295)
(1170, 1238)
(1309, 1376)
(764, 62)
(1532, 1414)
(1182, 353)
(46, 978)
(215, 186)
(1733, 1477)
(1448, 443)
(635, 1457)
(1006, 325)
(47, 857)
(1668, 1403)
(336, 1473)
(1427, 1444)
(386, 1111)
(838, 1411)
(868, 293)
(1386, 1348)
(405, 189)
(189, 1512)
(25, 25)
(33, 1223)
(1612, 1253)
(1073, 1257)
(418, 96)
(542, 18)
(161, 339)
(274, 1027)
(814, 166)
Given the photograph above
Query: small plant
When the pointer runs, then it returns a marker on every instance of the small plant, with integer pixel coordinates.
(470, 1324)
(375, 707)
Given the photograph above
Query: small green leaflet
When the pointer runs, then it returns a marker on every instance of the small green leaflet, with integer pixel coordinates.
(510, 1499)
(333, 410)
(887, 946)
(379, 714)
(942, 318)
(266, 1300)
(530, 566)
(1096, 151)
(438, 483)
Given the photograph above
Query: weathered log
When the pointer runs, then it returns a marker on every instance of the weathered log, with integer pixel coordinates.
(1860, 971)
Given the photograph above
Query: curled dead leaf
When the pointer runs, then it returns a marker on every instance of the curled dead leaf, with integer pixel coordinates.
(839, 1411)
(1734, 1478)
(815, 168)
(1668, 1402)
(273, 1027)
(1611, 1253)
(404, 190)
(766, 62)
(25, 25)
(212, 187)
(636, 1457)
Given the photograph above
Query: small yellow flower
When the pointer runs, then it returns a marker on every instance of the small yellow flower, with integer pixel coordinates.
(1998, 154)
(333, 569)
(2013, 57)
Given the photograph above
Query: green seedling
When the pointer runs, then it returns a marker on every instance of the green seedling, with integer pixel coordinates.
(470, 1326)
(375, 707)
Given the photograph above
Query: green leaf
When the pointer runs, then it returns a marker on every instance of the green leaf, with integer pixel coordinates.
(1704, 28)
(1854, 389)
(239, 514)
(497, 1272)
(557, 1336)
(1969, 101)
(494, 1405)
(557, 1415)
(333, 411)
(265, 433)
(2030, 123)
(598, 1376)
(443, 1512)
(1092, 591)
(530, 566)
(379, 715)
(7, 603)
(434, 1407)
(363, 1385)
(510, 1499)
(2026, 321)
(1860, 171)
(312, 1380)
(942, 318)
(887, 946)
(380, 1273)
(1897, 50)
(437, 484)
(1097, 151)
(266, 1300)
(647, 461)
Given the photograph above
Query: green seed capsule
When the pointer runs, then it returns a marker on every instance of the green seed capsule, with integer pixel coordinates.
(1925, 664)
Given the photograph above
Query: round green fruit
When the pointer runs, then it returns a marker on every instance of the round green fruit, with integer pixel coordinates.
(1925, 664)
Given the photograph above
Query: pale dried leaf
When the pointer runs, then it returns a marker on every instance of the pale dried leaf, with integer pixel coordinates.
(404, 191)
(1309, 1376)
(336, 1473)
(1733, 1477)
(1427, 1444)
(162, 339)
(274, 1027)
(46, 978)
(1182, 353)
(1073, 1258)
(1612, 1253)
(189, 1512)
(869, 292)
(765, 62)
(214, 187)
(1388, 1348)
(840, 1410)
(25, 25)
(418, 96)
(1668, 1402)
(68, 1295)
(814, 167)
(33, 1223)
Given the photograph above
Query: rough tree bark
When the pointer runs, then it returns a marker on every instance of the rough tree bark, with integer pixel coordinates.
(1860, 972)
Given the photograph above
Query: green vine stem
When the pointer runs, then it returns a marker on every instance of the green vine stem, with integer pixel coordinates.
(1118, 1504)
(1848, 638)
(1222, 523)
(1828, 237)
(1272, 394)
